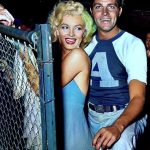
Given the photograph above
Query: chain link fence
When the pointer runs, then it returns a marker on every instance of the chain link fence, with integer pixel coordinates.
(23, 123)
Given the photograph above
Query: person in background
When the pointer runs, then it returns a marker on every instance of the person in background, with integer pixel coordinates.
(147, 43)
(118, 80)
(73, 27)
(5, 17)
(25, 25)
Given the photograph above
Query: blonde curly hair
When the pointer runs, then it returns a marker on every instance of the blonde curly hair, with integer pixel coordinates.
(71, 8)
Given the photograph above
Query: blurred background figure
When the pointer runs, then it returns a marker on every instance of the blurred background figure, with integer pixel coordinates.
(147, 41)
(5, 17)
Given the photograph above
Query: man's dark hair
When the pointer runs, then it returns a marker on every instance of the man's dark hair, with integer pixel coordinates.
(119, 2)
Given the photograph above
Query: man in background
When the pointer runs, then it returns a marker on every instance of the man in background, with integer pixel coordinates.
(147, 42)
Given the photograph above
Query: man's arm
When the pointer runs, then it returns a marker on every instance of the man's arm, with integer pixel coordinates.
(109, 135)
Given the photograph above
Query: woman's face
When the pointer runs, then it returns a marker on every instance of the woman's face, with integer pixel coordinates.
(70, 32)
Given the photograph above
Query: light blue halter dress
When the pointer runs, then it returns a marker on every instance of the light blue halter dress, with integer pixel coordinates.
(76, 132)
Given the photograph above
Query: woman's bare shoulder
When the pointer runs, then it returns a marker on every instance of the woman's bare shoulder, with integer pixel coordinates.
(79, 54)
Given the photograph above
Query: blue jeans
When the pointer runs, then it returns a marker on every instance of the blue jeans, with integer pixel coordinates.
(129, 136)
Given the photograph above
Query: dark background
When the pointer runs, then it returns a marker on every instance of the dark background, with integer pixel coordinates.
(135, 17)
(30, 9)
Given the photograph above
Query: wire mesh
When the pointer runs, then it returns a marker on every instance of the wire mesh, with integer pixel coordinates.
(20, 112)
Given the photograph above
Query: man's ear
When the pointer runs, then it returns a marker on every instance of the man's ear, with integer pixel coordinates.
(91, 11)
(120, 11)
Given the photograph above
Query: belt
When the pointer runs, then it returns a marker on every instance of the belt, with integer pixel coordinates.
(105, 108)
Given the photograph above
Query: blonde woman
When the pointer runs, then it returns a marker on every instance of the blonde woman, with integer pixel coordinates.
(73, 27)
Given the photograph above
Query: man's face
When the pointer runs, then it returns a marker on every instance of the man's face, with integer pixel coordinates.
(105, 13)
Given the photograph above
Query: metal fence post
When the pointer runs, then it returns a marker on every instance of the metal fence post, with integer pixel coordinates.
(45, 62)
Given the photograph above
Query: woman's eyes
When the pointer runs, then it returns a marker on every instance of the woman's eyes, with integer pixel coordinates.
(77, 28)
(64, 27)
